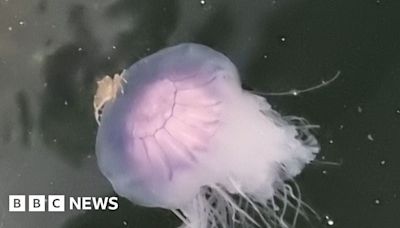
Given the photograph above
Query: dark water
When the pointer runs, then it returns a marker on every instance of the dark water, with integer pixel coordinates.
(52, 52)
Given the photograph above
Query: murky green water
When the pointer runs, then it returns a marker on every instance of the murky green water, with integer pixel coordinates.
(52, 52)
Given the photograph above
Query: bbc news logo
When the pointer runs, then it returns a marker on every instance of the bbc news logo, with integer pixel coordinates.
(59, 203)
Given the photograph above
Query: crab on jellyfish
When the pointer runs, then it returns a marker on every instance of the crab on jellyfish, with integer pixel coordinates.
(177, 131)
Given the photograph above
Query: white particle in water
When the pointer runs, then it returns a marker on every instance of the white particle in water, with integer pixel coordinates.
(108, 58)
(80, 49)
(359, 109)
(114, 47)
(341, 126)
(295, 92)
(331, 141)
(283, 39)
(398, 111)
(10, 28)
(329, 221)
(377, 201)
(370, 138)
(65, 103)
(21, 22)
(125, 223)
(324, 172)
(202, 2)
(383, 162)
(265, 56)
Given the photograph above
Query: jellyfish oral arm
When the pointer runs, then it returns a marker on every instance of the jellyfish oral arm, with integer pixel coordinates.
(107, 89)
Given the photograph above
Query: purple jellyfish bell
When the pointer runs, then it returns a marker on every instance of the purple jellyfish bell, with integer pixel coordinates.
(177, 131)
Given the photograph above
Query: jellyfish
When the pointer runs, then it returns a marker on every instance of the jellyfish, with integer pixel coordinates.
(177, 131)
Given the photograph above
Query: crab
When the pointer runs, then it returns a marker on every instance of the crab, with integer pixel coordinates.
(107, 90)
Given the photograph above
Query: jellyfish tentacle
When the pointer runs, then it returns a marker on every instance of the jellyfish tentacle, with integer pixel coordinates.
(234, 205)
(295, 92)
(303, 204)
(181, 217)
(332, 163)
(298, 202)
(283, 212)
(242, 194)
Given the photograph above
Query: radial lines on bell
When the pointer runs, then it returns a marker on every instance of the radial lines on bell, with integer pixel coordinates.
(186, 130)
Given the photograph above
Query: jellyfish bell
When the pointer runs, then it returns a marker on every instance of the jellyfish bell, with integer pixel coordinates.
(185, 136)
